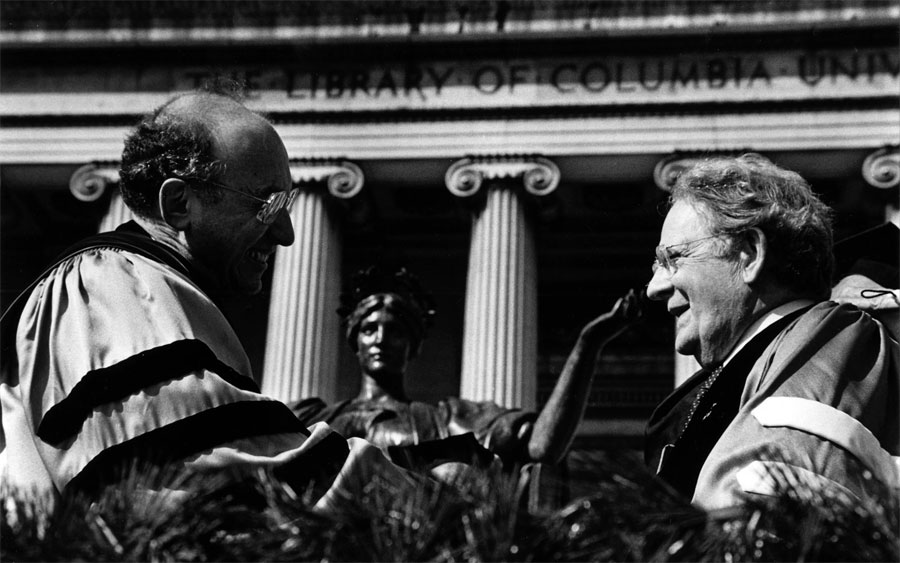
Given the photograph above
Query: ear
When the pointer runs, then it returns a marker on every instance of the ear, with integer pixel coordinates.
(175, 199)
(752, 255)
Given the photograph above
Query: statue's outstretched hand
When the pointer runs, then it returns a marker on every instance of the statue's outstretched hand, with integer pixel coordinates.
(626, 312)
(558, 421)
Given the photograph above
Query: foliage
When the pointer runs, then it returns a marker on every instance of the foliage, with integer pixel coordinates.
(479, 516)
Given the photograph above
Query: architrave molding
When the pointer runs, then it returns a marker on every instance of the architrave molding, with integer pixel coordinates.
(802, 131)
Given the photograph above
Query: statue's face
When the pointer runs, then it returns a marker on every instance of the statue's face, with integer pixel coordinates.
(383, 344)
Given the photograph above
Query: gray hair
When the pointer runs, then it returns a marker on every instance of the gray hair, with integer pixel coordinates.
(167, 144)
(736, 194)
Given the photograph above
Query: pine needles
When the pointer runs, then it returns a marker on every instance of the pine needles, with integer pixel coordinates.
(480, 516)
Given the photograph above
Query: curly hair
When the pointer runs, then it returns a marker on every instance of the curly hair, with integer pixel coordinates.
(167, 144)
(398, 291)
(736, 194)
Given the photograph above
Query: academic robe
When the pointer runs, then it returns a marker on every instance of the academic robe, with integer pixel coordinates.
(120, 357)
(815, 406)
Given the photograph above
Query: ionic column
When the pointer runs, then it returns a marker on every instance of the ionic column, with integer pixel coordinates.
(881, 169)
(500, 338)
(303, 329)
(90, 182)
(667, 170)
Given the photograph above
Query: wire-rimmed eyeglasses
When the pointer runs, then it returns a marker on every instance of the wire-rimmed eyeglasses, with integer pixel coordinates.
(270, 206)
(666, 256)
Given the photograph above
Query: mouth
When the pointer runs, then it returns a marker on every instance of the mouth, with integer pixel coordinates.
(382, 357)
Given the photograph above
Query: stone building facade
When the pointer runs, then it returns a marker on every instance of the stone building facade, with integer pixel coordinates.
(515, 155)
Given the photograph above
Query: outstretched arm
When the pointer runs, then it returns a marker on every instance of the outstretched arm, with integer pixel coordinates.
(555, 427)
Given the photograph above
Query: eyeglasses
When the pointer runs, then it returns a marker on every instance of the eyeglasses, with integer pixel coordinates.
(270, 206)
(666, 257)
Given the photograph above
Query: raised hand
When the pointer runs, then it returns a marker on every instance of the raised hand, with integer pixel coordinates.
(627, 311)
(557, 422)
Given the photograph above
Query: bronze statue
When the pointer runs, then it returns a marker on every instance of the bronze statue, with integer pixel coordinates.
(386, 318)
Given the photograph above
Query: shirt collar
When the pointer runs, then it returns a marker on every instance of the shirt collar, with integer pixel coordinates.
(764, 321)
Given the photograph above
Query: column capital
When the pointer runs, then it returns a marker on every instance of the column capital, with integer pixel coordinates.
(540, 176)
(667, 170)
(90, 181)
(343, 178)
(882, 168)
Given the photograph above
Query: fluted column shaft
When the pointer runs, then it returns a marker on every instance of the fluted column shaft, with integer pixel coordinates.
(500, 340)
(302, 339)
(117, 214)
(302, 335)
(499, 360)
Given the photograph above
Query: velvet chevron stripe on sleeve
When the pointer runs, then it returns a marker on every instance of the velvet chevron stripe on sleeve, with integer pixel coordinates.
(129, 376)
(197, 433)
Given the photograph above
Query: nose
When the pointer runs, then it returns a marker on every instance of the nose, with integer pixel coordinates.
(282, 230)
(660, 286)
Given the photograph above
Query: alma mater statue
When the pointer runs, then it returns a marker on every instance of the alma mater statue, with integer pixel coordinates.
(386, 316)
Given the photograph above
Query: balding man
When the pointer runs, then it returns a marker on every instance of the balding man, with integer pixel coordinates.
(124, 358)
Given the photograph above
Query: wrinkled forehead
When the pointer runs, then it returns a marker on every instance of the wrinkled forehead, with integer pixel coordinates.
(685, 221)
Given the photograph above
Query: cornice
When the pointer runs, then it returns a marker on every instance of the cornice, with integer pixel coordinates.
(178, 22)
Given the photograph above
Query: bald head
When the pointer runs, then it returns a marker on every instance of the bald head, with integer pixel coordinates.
(235, 132)
(205, 167)
(191, 136)
(201, 105)
(214, 111)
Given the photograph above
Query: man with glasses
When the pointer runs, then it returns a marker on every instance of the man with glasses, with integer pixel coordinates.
(118, 356)
(793, 389)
